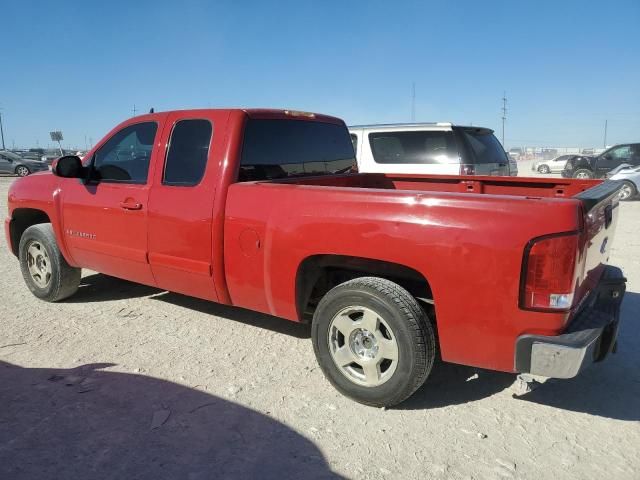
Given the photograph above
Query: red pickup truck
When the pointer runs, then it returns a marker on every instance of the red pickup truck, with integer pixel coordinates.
(262, 209)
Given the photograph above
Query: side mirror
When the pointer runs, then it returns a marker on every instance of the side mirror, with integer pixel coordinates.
(69, 166)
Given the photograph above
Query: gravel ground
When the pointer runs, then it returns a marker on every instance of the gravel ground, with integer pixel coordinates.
(126, 381)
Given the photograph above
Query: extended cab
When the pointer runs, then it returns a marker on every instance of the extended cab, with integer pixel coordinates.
(261, 209)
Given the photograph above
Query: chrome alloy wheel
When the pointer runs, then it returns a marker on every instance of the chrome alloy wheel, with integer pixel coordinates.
(626, 191)
(362, 346)
(39, 264)
(583, 175)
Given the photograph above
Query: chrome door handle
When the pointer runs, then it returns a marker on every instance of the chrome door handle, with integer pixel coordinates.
(131, 205)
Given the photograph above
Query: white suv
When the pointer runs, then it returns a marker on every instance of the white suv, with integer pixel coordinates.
(428, 148)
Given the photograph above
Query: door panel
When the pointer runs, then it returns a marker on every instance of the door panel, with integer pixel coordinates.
(101, 235)
(105, 220)
(181, 206)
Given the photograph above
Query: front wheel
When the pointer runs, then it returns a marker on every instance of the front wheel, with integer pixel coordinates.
(627, 191)
(373, 341)
(583, 174)
(44, 269)
(22, 171)
(544, 169)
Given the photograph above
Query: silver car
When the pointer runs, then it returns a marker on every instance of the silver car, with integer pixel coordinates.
(630, 177)
(15, 164)
(555, 165)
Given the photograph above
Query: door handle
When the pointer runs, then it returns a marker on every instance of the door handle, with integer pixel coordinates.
(130, 205)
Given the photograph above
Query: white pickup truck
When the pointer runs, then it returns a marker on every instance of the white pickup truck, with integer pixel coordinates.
(427, 149)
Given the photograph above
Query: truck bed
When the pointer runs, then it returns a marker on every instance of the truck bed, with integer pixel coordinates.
(523, 187)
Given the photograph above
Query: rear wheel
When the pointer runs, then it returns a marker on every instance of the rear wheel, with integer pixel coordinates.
(544, 169)
(373, 341)
(628, 190)
(583, 173)
(22, 171)
(44, 269)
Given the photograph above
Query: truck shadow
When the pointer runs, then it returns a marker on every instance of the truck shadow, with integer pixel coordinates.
(90, 423)
(101, 288)
(451, 384)
(609, 389)
(97, 287)
(237, 314)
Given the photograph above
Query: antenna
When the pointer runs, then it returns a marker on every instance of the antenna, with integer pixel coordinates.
(504, 113)
(152, 110)
(413, 102)
(134, 110)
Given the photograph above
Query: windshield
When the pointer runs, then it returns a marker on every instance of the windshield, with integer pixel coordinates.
(292, 148)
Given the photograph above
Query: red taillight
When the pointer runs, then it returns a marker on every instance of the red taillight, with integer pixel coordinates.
(467, 170)
(549, 273)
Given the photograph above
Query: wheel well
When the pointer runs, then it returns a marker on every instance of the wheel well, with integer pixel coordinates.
(22, 219)
(320, 273)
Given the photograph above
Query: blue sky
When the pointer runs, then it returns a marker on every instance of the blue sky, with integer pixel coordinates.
(566, 66)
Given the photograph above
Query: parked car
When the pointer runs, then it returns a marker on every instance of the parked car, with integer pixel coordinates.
(428, 148)
(13, 163)
(598, 166)
(555, 165)
(516, 153)
(256, 216)
(629, 176)
(513, 166)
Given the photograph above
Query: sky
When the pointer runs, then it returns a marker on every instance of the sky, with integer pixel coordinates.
(566, 66)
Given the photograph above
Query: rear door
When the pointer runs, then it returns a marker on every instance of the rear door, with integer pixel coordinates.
(181, 202)
(483, 151)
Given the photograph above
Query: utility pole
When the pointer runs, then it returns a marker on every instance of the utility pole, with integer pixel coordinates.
(605, 134)
(413, 102)
(504, 114)
(1, 131)
(134, 110)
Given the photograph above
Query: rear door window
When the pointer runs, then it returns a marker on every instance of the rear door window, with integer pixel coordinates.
(414, 147)
(275, 148)
(188, 152)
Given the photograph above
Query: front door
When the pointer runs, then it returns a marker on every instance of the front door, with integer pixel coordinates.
(181, 203)
(6, 165)
(105, 220)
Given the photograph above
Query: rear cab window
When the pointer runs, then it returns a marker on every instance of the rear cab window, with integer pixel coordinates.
(282, 148)
(414, 147)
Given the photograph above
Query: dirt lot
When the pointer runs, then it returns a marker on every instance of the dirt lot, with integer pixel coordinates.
(126, 381)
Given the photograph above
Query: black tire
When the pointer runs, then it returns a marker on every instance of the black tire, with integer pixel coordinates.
(63, 278)
(411, 329)
(544, 169)
(22, 171)
(583, 173)
(629, 191)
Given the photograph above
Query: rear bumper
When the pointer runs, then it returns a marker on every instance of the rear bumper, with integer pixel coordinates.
(589, 338)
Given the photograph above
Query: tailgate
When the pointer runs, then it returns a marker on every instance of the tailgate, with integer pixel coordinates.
(600, 214)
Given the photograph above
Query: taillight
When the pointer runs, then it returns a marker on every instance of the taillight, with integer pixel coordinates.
(467, 170)
(549, 273)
